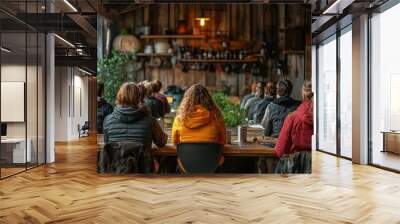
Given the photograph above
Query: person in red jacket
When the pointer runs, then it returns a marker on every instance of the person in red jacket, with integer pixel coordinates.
(297, 129)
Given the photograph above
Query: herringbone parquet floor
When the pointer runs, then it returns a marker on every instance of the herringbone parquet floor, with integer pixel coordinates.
(70, 191)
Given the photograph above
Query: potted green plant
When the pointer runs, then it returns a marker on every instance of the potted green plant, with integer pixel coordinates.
(113, 72)
(234, 116)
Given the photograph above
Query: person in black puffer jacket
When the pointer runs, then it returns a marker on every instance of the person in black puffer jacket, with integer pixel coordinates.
(103, 109)
(277, 111)
(131, 122)
(269, 96)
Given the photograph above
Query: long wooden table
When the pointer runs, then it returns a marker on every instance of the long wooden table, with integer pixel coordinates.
(250, 149)
(246, 150)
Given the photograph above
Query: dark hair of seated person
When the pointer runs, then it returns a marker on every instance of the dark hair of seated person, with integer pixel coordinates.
(270, 89)
(284, 87)
(157, 86)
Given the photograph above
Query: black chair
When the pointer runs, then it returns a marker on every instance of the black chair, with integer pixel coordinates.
(84, 129)
(196, 157)
(298, 162)
(121, 158)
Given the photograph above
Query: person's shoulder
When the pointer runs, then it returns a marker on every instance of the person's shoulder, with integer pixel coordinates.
(109, 119)
(162, 96)
(296, 102)
(146, 110)
(260, 103)
(273, 104)
(178, 118)
(247, 95)
(148, 118)
(269, 99)
(291, 118)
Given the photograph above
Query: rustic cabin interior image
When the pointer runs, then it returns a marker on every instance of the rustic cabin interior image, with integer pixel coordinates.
(225, 48)
(206, 111)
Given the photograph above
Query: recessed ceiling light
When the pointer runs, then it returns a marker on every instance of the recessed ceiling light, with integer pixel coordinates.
(5, 50)
(70, 5)
(337, 7)
(64, 40)
(84, 71)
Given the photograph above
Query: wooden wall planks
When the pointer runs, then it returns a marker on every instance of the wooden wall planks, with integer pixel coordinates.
(286, 28)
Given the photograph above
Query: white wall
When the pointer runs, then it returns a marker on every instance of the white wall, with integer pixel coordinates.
(360, 90)
(71, 102)
(33, 127)
(12, 73)
(50, 96)
(62, 82)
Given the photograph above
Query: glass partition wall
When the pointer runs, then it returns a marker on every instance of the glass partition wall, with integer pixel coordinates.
(22, 76)
(345, 92)
(334, 87)
(385, 89)
(327, 95)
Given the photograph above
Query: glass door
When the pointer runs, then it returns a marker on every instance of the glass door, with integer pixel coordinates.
(345, 49)
(327, 96)
(22, 77)
(15, 149)
(385, 89)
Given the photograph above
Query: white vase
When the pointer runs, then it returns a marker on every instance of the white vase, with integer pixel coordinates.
(161, 47)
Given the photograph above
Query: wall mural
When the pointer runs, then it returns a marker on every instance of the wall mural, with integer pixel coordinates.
(205, 88)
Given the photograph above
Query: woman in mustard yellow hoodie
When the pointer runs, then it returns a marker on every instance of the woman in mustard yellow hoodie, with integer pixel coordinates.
(198, 119)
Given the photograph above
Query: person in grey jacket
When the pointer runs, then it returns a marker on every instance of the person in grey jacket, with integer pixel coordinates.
(269, 96)
(131, 122)
(278, 109)
(250, 95)
(251, 104)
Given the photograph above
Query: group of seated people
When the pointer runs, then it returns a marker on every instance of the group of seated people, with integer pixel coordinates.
(281, 116)
(138, 105)
(268, 104)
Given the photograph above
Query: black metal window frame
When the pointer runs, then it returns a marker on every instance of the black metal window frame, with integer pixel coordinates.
(335, 36)
(381, 9)
(30, 29)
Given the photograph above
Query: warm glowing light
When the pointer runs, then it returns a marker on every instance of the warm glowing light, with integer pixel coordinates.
(170, 99)
(202, 20)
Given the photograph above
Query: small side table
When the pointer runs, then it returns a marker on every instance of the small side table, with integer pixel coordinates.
(391, 141)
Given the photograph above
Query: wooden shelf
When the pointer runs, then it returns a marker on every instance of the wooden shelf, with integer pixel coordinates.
(173, 37)
(154, 55)
(219, 60)
(294, 52)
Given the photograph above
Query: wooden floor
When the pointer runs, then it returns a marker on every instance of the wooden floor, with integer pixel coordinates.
(71, 191)
(386, 159)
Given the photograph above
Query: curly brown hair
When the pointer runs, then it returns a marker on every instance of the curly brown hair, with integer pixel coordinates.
(194, 96)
